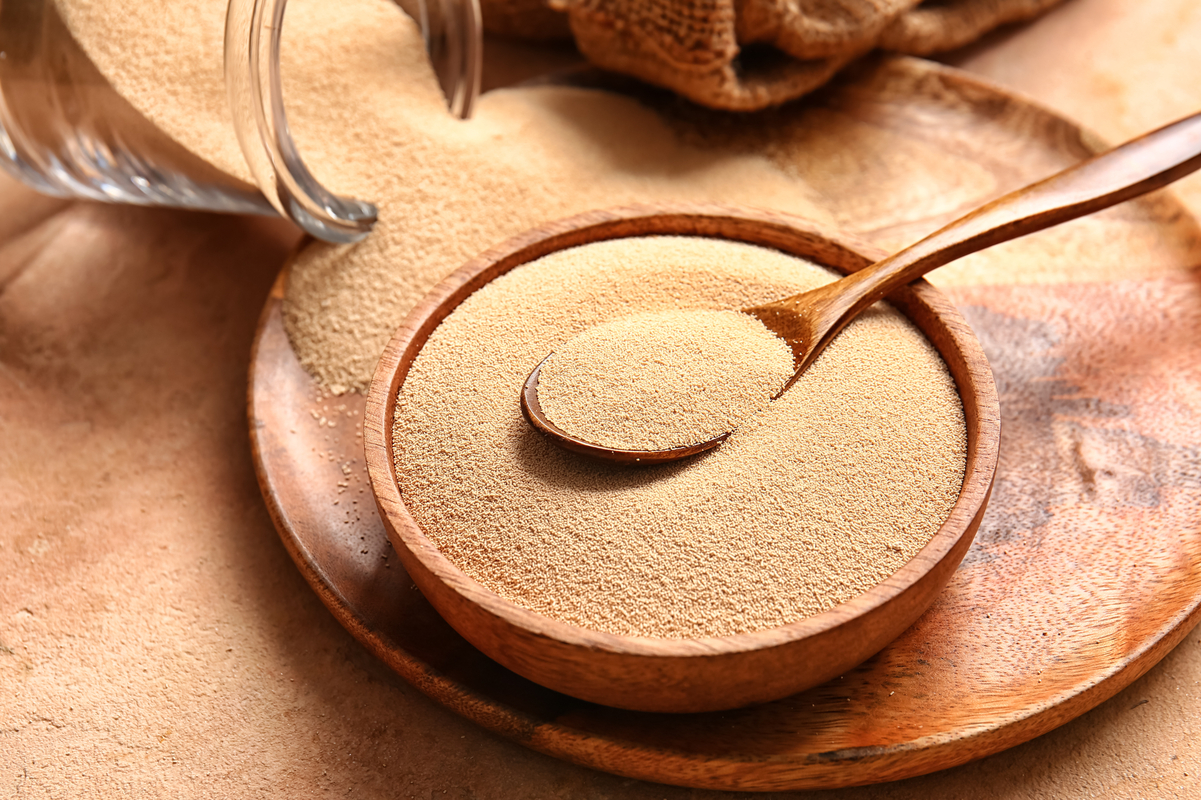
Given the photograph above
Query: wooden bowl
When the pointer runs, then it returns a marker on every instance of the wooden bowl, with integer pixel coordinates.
(698, 674)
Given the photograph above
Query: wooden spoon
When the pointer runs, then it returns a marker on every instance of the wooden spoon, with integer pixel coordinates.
(810, 320)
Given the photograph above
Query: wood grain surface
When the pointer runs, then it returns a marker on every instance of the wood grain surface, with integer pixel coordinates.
(1083, 575)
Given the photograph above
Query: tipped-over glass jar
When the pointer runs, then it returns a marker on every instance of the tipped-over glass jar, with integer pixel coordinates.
(66, 131)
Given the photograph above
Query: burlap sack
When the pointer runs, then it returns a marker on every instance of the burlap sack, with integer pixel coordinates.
(748, 54)
(525, 19)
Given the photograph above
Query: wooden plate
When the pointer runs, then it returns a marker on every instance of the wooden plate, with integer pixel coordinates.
(1084, 573)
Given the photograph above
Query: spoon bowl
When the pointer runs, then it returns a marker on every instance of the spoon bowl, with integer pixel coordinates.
(808, 321)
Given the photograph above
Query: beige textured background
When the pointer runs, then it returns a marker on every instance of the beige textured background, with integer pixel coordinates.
(155, 638)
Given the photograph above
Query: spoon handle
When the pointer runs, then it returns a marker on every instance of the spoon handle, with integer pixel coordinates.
(1127, 171)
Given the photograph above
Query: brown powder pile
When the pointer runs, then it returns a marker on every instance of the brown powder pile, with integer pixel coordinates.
(657, 381)
(824, 493)
(371, 122)
(448, 190)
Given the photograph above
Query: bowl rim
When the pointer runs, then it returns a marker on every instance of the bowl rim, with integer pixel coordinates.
(773, 229)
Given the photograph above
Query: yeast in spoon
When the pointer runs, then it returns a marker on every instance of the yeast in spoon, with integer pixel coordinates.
(663, 380)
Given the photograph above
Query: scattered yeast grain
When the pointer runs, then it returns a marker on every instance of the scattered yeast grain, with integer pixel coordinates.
(820, 496)
(657, 381)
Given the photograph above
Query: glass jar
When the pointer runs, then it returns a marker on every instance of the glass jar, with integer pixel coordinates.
(64, 130)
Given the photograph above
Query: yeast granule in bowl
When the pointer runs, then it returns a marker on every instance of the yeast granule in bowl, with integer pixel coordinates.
(804, 543)
(822, 494)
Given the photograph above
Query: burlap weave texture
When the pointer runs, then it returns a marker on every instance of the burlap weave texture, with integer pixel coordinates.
(744, 55)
